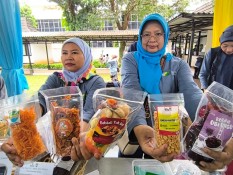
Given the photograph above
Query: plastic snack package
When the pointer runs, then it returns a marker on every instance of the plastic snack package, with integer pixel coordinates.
(4, 124)
(167, 116)
(23, 112)
(213, 124)
(4, 128)
(65, 105)
(114, 108)
(150, 167)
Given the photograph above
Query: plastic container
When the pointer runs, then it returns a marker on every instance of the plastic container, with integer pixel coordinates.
(150, 167)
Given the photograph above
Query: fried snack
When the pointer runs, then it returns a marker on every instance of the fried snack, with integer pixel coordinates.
(3, 129)
(172, 140)
(66, 125)
(26, 138)
(108, 126)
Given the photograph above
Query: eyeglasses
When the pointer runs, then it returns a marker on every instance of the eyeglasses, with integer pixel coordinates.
(147, 36)
(227, 34)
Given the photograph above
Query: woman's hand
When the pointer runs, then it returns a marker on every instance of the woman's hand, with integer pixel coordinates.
(11, 153)
(146, 138)
(221, 159)
(79, 150)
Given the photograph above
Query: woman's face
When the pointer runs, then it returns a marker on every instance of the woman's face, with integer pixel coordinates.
(227, 47)
(152, 37)
(72, 57)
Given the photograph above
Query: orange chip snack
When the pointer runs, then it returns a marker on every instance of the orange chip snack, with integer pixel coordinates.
(26, 138)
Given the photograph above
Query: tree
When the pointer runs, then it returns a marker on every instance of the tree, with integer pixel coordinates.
(25, 11)
(91, 14)
(80, 14)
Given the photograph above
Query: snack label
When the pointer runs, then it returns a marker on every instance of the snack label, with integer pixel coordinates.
(14, 116)
(168, 120)
(216, 131)
(108, 129)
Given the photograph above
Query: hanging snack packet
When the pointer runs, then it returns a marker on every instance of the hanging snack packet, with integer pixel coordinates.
(167, 115)
(22, 112)
(213, 124)
(65, 104)
(114, 108)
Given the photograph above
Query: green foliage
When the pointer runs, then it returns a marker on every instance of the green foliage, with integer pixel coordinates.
(80, 14)
(55, 66)
(25, 11)
(98, 64)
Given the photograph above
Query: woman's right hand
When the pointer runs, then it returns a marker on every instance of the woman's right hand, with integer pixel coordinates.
(11, 153)
(146, 139)
(80, 151)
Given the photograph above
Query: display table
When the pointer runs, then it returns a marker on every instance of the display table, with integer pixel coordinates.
(123, 166)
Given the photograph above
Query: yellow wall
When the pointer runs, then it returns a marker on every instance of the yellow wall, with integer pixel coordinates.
(223, 17)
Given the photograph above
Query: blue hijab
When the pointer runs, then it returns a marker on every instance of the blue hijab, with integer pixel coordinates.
(149, 68)
(73, 76)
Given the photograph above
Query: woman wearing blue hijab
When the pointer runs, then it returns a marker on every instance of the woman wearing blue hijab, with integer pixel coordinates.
(76, 58)
(154, 71)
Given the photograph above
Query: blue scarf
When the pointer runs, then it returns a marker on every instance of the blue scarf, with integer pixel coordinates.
(149, 68)
(74, 76)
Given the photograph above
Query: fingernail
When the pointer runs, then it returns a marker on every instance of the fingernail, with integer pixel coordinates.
(202, 164)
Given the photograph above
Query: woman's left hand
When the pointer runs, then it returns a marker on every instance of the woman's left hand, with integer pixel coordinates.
(221, 159)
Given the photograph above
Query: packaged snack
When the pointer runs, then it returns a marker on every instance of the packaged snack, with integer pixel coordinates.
(114, 108)
(167, 115)
(150, 167)
(22, 112)
(4, 129)
(213, 125)
(65, 105)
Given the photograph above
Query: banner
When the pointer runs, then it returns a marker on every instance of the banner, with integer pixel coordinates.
(223, 17)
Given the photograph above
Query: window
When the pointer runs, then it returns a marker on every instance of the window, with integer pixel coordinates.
(109, 44)
(133, 23)
(50, 25)
(97, 43)
(108, 25)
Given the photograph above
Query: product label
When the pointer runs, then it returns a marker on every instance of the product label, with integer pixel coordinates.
(14, 116)
(108, 130)
(168, 118)
(36, 168)
(216, 131)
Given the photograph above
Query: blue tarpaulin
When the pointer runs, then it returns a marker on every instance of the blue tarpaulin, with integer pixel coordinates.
(11, 47)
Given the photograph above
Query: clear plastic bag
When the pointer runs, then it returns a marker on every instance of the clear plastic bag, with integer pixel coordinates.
(150, 167)
(213, 124)
(167, 114)
(65, 105)
(23, 112)
(114, 108)
(4, 125)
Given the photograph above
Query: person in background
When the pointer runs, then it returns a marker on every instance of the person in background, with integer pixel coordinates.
(113, 66)
(76, 58)
(218, 62)
(133, 47)
(170, 75)
(198, 64)
(3, 91)
(106, 58)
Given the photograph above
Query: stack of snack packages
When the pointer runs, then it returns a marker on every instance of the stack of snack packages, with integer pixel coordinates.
(22, 112)
(65, 106)
(213, 124)
(167, 116)
(113, 111)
